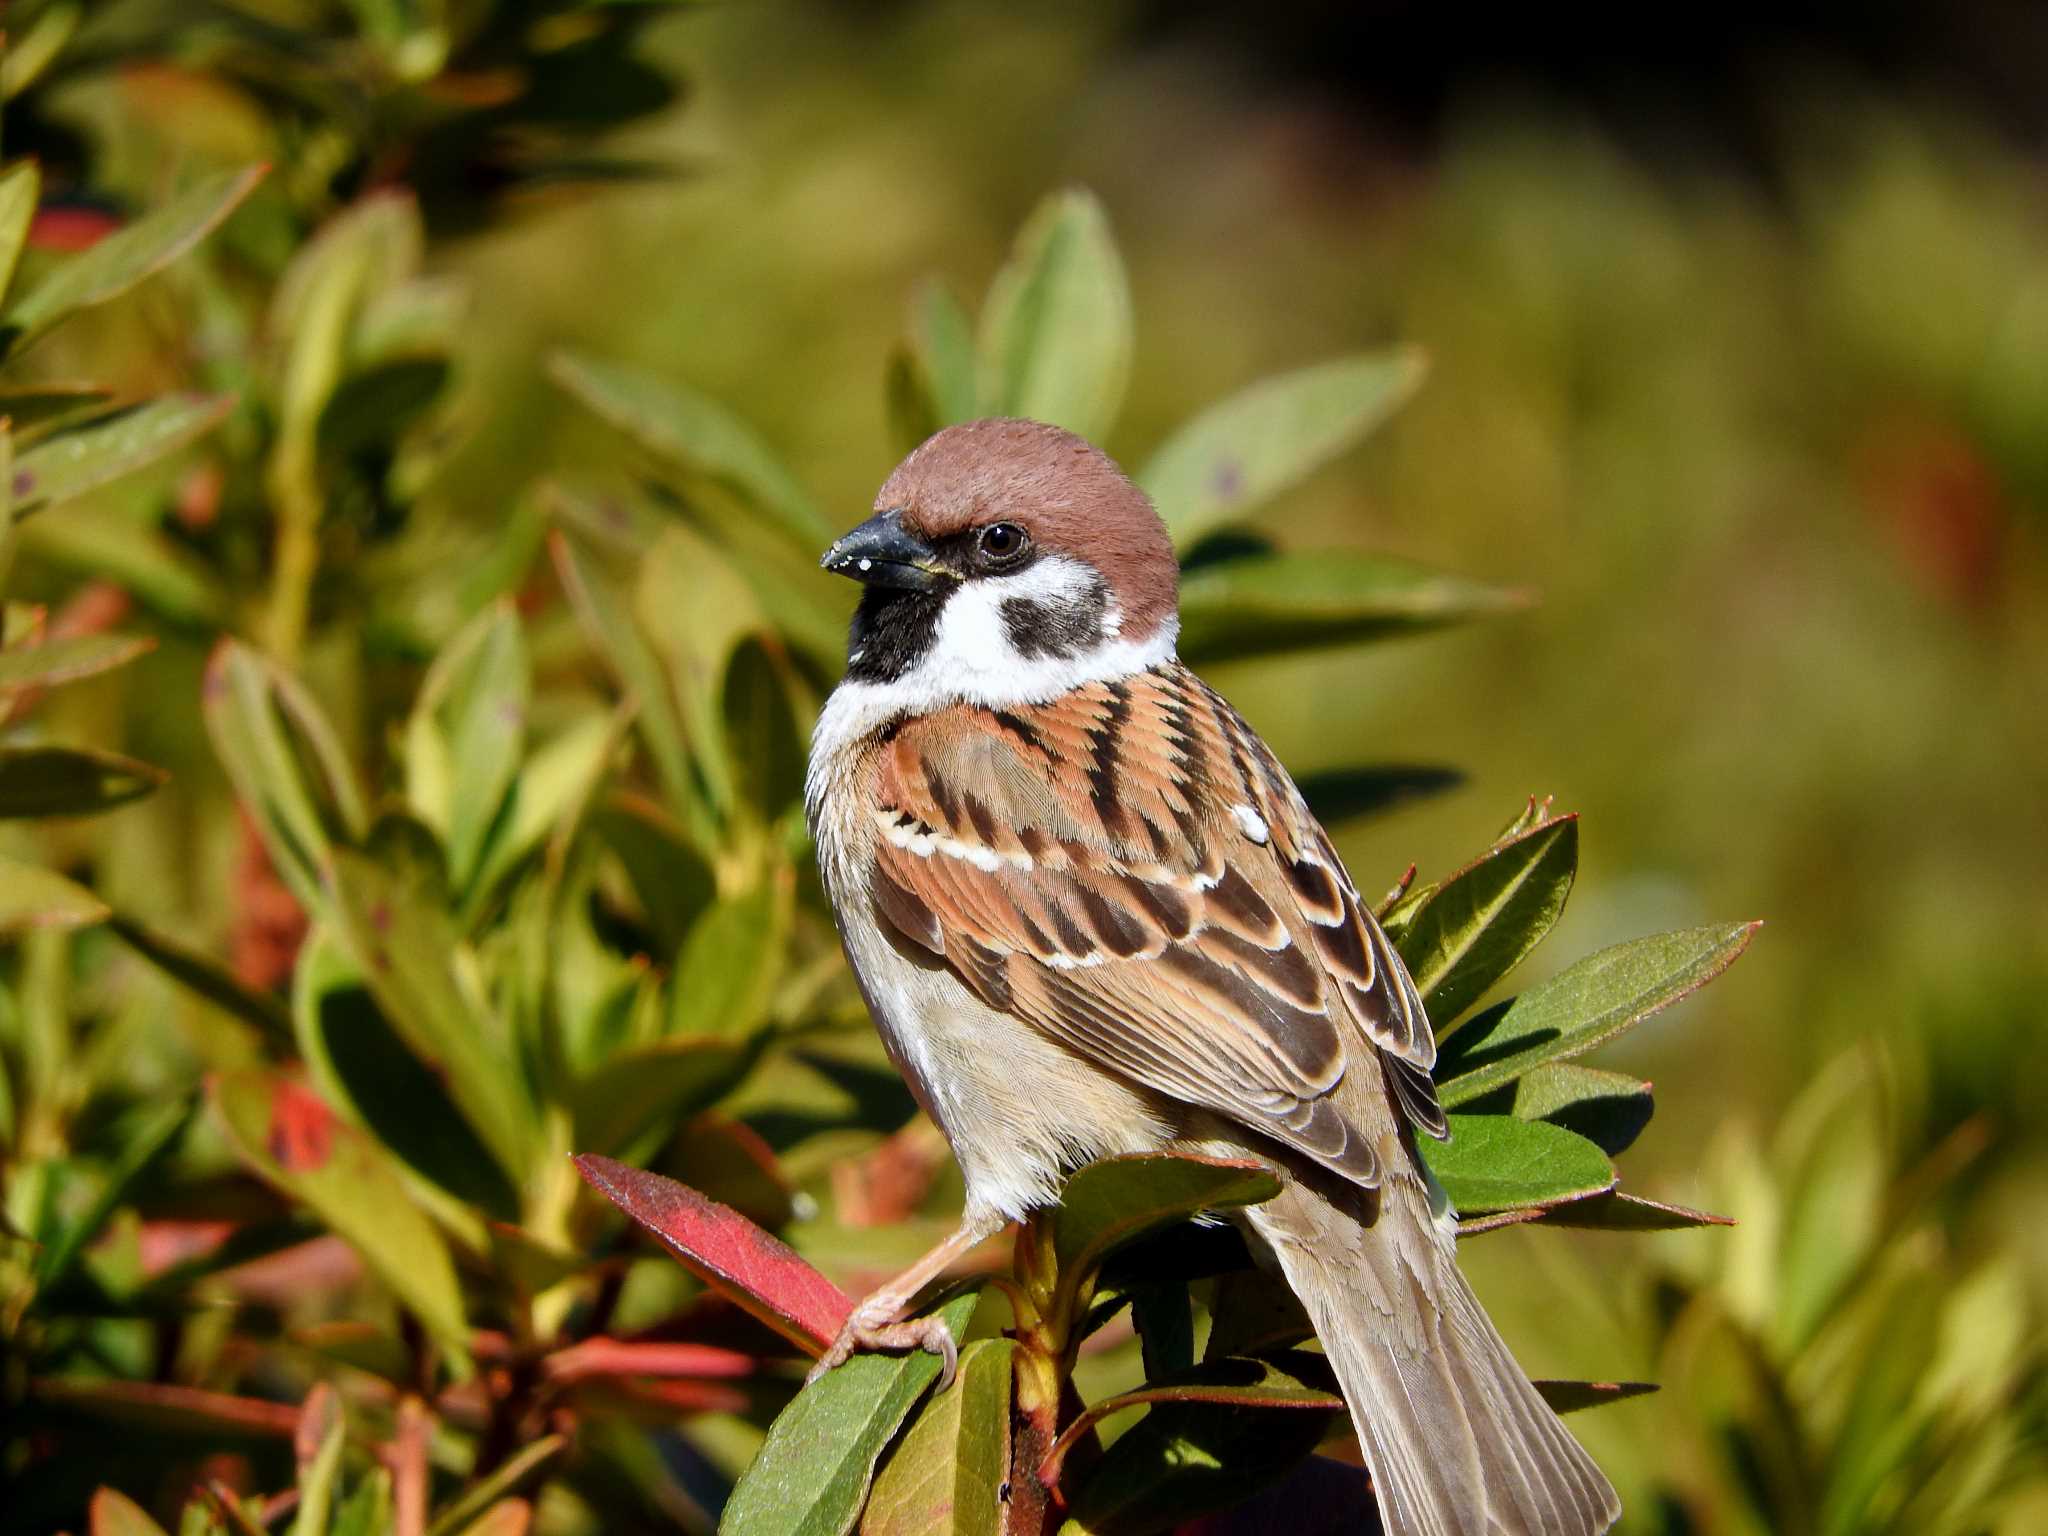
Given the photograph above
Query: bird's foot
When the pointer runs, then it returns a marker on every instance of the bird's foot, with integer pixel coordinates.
(878, 1324)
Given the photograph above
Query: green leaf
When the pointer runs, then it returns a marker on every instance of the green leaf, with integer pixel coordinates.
(1577, 1396)
(1620, 1211)
(32, 897)
(21, 184)
(125, 258)
(691, 432)
(360, 1062)
(516, 1471)
(1204, 1446)
(1477, 925)
(942, 1479)
(294, 1141)
(730, 964)
(113, 1513)
(1584, 1006)
(85, 457)
(1496, 1163)
(467, 734)
(69, 781)
(1056, 327)
(557, 780)
(942, 337)
(250, 705)
(656, 1087)
(764, 734)
(608, 622)
(1609, 1109)
(321, 1434)
(57, 662)
(695, 610)
(110, 544)
(151, 1137)
(812, 1474)
(1120, 1199)
(423, 979)
(1265, 604)
(40, 404)
(1242, 452)
(674, 882)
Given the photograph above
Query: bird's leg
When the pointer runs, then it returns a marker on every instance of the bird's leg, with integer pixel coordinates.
(876, 1323)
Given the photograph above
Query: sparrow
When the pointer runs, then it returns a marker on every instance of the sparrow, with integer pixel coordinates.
(1091, 914)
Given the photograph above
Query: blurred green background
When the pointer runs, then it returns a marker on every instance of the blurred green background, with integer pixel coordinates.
(1738, 367)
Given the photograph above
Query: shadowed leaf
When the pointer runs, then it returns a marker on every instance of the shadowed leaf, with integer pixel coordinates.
(1267, 604)
(1243, 451)
(1573, 1396)
(812, 1474)
(1583, 1006)
(1339, 794)
(66, 660)
(1609, 1109)
(655, 1087)
(69, 781)
(1477, 925)
(113, 1513)
(725, 1250)
(1120, 1199)
(201, 973)
(1496, 1162)
(942, 1479)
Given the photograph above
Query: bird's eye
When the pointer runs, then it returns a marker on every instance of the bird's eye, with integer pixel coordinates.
(1003, 542)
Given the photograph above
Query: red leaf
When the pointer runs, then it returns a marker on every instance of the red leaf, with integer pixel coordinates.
(165, 1405)
(627, 1357)
(728, 1252)
(301, 1134)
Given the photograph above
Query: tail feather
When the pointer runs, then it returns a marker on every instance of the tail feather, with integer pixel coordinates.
(1458, 1440)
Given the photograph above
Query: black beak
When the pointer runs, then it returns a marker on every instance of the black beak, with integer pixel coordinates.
(883, 553)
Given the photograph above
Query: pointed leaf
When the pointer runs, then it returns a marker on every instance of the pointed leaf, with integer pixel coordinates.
(1583, 1006)
(125, 258)
(691, 432)
(317, 1445)
(292, 1140)
(812, 1474)
(42, 404)
(406, 949)
(1620, 1211)
(32, 897)
(161, 1405)
(466, 735)
(1056, 328)
(1248, 449)
(1120, 1199)
(21, 184)
(942, 337)
(113, 1513)
(943, 1477)
(1573, 1396)
(549, 791)
(695, 610)
(1496, 1162)
(727, 1252)
(1477, 925)
(69, 781)
(516, 1471)
(66, 660)
(1266, 604)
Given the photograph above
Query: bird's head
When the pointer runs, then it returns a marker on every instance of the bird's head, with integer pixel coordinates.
(1006, 562)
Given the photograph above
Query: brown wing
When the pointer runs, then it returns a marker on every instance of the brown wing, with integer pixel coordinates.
(1129, 870)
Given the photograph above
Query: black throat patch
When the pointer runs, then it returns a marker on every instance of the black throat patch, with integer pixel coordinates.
(892, 632)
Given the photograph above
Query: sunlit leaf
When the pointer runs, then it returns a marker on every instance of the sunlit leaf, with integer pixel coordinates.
(812, 1474)
(943, 1477)
(1055, 342)
(1583, 1006)
(113, 1513)
(1477, 925)
(293, 1140)
(1267, 604)
(693, 433)
(317, 1445)
(467, 734)
(1496, 1162)
(730, 964)
(70, 781)
(85, 457)
(68, 659)
(32, 897)
(21, 184)
(655, 1087)
(126, 257)
(1243, 451)
(727, 1252)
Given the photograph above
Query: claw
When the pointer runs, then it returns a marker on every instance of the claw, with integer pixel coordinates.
(859, 1333)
